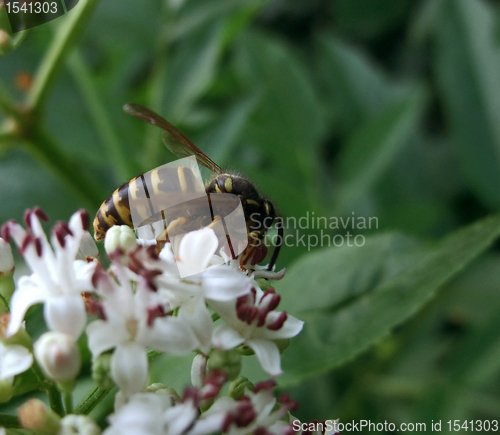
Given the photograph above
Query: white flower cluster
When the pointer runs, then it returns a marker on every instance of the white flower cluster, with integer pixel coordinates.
(140, 303)
(254, 412)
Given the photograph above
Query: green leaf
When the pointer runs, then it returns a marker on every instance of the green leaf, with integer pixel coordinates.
(222, 138)
(336, 337)
(288, 120)
(192, 70)
(355, 87)
(351, 272)
(367, 18)
(374, 146)
(195, 14)
(284, 132)
(467, 65)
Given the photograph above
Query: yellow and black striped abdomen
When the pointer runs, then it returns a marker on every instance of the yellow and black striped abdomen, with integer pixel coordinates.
(156, 184)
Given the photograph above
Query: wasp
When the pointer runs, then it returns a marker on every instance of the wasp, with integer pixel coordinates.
(259, 213)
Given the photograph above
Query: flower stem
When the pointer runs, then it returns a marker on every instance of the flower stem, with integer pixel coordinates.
(7, 106)
(47, 151)
(68, 402)
(92, 400)
(64, 39)
(55, 399)
(53, 393)
(124, 165)
(9, 421)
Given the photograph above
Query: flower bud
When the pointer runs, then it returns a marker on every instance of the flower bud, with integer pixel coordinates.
(245, 350)
(199, 370)
(6, 258)
(101, 371)
(282, 344)
(120, 237)
(58, 356)
(7, 285)
(6, 390)
(78, 425)
(158, 388)
(264, 284)
(38, 417)
(21, 337)
(238, 387)
(228, 361)
(5, 42)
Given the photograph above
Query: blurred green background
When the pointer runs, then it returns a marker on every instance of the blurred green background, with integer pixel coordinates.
(379, 108)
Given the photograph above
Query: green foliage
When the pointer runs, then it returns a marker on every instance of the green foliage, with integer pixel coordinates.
(380, 299)
(385, 109)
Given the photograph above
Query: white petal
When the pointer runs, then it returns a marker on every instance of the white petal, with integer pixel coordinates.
(208, 424)
(83, 272)
(268, 355)
(211, 421)
(103, 336)
(28, 293)
(224, 337)
(196, 250)
(226, 310)
(290, 328)
(73, 242)
(66, 314)
(141, 415)
(15, 359)
(225, 283)
(169, 334)
(196, 314)
(88, 247)
(179, 418)
(129, 367)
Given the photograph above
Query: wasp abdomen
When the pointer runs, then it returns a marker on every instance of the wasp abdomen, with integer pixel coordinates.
(153, 185)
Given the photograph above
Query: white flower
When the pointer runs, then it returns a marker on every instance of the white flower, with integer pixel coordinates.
(191, 294)
(196, 252)
(153, 414)
(253, 321)
(257, 410)
(78, 425)
(14, 359)
(133, 320)
(58, 279)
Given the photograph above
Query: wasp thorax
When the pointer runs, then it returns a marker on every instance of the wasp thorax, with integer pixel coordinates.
(259, 212)
(226, 183)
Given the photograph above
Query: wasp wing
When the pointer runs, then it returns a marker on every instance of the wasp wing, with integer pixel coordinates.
(173, 138)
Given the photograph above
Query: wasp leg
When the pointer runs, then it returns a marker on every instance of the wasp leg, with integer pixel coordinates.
(254, 241)
(217, 219)
(162, 239)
